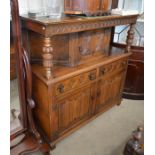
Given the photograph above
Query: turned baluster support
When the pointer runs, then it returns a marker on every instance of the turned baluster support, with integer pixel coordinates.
(48, 57)
(130, 37)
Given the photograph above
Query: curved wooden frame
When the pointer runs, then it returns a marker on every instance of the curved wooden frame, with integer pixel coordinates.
(32, 140)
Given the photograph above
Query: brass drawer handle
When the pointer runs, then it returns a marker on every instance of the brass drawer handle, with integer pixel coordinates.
(61, 88)
(92, 77)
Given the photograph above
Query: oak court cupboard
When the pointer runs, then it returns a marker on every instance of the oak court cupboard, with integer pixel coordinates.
(77, 72)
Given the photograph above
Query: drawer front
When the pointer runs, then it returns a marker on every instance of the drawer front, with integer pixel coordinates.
(121, 65)
(74, 82)
(112, 68)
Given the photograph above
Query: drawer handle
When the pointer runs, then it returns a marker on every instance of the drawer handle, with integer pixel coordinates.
(92, 77)
(61, 88)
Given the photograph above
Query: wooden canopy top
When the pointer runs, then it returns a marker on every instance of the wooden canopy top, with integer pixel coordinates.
(70, 24)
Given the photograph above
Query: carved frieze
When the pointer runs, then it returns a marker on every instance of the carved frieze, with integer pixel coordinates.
(62, 28)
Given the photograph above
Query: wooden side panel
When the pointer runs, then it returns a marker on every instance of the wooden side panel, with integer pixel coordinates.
(41, 111)
(73, 109)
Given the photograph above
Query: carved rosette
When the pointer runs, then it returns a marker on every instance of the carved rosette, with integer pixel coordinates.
(48, 57)
(130, 37)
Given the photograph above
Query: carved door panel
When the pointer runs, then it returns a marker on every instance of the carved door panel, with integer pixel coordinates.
(94, 42)
(103, 93)
(68, 4)
(109, 91)
(73, 109)
(86, 43)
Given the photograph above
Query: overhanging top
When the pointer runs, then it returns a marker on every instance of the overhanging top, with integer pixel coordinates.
(69, 24)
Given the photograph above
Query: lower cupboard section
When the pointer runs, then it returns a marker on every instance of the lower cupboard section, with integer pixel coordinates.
(81, 105)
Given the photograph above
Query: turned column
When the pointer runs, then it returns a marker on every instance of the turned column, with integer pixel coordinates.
(48, 57)
(130, 37)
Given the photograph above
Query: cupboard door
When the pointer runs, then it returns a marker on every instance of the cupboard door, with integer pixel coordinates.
(109, 91)
(103, 93)
(73, 109)
(117, 88)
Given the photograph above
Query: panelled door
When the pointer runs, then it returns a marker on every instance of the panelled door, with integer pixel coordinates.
(73, 109)
(109, 91)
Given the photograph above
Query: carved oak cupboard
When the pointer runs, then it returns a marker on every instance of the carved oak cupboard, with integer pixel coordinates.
(77, 73)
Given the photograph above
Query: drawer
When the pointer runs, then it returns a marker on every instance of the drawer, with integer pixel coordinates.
(113, 67)
(74, 82)
(121, 65)
(105, 70)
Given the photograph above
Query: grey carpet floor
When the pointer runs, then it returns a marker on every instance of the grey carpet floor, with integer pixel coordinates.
(106, 135)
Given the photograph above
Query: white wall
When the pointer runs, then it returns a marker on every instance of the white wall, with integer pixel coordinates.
(23, 6)
(132, 4)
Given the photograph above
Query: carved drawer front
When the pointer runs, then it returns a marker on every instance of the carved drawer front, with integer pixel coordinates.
(121, 65)
(113, 68)
(73, 109)
(74, 82)
(105, 70)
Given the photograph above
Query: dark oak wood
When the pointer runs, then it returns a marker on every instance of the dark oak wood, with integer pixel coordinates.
(134, 84)
(12, 63)
(87, 7)
(13, 74)
(31, 139)
(87, 73)
(57, 38)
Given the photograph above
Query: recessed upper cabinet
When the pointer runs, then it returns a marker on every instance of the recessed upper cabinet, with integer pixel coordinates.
(87, 7)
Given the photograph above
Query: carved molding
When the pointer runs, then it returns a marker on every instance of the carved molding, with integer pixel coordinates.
(83, 26)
